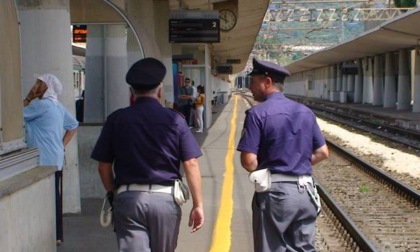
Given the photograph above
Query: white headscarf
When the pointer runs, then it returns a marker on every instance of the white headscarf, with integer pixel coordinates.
(54, 87)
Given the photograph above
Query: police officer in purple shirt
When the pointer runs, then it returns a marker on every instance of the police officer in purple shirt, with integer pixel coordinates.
(144, 145)
(280, 142)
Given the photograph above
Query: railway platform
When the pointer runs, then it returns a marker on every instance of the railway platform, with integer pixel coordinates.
(227, 196)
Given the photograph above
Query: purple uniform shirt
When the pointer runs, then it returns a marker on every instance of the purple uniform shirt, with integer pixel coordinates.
(283, 134)
(146, 142)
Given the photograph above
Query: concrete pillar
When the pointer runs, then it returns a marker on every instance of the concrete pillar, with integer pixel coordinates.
(134, 53)
(11, 95)
(334, 93)
(367, 80)
(358, 83)
(390, 90)
(155, 14)
(51, 52)
(343, 91)
(331, 81)
(350, 82)
(94, 110)
(133, 50)
(209, 90)
(325, 84)
(161, 8)
(378, 81)
(339, 79)
(404, 95)
(344, 87)
(117, 92)
(416, 82)
(106, 67)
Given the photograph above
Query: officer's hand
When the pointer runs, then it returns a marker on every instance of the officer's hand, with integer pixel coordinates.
(110, 197)
(196, 219)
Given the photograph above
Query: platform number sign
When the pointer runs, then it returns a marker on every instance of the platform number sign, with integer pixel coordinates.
(194, 31)
(194, 27)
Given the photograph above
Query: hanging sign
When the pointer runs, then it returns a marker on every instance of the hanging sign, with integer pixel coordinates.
(194, 27)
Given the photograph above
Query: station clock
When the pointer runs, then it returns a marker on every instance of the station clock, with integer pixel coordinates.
(227, 20)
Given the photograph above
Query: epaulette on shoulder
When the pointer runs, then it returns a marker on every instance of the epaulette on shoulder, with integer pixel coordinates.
(176, 111)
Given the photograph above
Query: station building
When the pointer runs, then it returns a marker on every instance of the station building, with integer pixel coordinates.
(380, 68)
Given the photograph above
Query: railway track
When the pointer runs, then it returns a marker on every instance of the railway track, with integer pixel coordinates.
(364, 209)
(386, 211)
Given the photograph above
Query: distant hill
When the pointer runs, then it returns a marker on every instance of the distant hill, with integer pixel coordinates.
(286, 39)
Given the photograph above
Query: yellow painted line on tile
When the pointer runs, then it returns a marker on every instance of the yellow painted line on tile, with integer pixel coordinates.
(222, 233)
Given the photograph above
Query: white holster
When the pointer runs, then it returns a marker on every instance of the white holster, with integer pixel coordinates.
(261, 179)
(304, 181)
(181, 192)
(105, 217)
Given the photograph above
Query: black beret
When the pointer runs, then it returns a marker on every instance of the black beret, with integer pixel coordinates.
(146, 74)
(261, 67)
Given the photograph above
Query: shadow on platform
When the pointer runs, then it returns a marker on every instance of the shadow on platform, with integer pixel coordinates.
(83, 232)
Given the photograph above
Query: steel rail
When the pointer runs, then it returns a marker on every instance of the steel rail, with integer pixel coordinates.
(351, 228)
(408, 192)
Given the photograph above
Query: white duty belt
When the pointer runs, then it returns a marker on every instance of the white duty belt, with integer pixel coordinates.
(263, 178)
(304, 179)
(179, 190)
(145, 188)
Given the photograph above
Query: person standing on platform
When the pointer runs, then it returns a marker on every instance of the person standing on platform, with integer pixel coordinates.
(144, 145)
(193, 120)
(185, 99)
(49, 127)
(199, 108)
(280, 142)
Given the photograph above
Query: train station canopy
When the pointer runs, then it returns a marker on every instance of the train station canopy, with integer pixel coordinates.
(399, 33)
(238, 42)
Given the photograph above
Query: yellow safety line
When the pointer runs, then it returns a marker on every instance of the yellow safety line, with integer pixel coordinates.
(222, 233)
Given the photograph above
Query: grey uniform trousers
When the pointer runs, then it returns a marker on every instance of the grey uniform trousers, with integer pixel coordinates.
(146, 221)
(283, 219)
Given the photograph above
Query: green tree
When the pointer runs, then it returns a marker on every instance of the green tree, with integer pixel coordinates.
(405, 3)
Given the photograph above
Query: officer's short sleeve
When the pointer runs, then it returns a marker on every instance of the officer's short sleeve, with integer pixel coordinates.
(103, 151)
(251, 134)
(318, 139)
